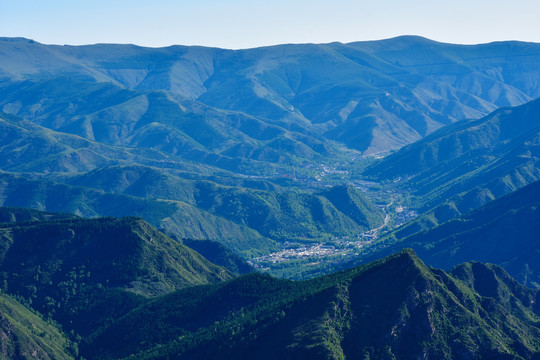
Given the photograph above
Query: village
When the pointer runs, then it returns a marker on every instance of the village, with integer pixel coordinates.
(335, 247)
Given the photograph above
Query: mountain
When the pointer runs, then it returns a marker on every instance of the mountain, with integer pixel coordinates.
(237, 146)
(469, 163)
(504, 232)
(393, 308)
(175, 216)
(80, 271)
(25, 335)
(243, 219)
(95, 277)
(267, 103)
(49, 170)
(292, 214)
(17, 215)
(220, 255)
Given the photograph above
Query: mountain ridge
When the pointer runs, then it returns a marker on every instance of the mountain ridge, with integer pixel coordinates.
(327, 317)
(275, 86)
(503, 232)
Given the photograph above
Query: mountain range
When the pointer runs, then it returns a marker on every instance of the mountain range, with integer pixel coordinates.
(118, 309)
(140, 180)
(504, 232)
(151, 131)
(466, 164)
(218, 105)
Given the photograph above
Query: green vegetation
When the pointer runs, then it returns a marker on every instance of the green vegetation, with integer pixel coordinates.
(13, 214)
(220, 255)
(123, 290)
(467, 164)
(26, 335)
(504, 231)
(83, 272)
(263, 150)
(395, 307)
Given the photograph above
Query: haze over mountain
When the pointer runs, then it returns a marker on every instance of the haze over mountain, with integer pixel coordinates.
(170, 134)
(469, 163)
(258, 150)
(371, 96)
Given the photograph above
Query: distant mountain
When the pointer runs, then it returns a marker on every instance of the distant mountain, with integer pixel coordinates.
(394, 308)
(198, 140)
(176, 217)
(49, 170)
(265, 104)
(504, 232)
(80, 271)
(25, 335)
(469, 163)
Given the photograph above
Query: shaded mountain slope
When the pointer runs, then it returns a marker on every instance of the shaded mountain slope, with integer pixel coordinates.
(469, 163)
(17, 215)
(504, 232)
(219, 254)
(101, 245)
(80, 272)
(355, 205)
(394, 308)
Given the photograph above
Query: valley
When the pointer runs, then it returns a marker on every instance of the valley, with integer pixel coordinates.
(297, 260)
(372, 200)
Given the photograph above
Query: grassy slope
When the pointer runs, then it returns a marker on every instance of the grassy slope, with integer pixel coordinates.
(25, 335)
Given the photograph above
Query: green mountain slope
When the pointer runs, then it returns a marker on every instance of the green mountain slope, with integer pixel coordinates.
(355, 205)
(371, 96)
(291, 214)
(503, 232)
(220, 255)
(185, 199)
(271, 210)
(235, 216)
(468, 164)
(81, 272)
(176, 217)
(25, 335)
(394, 308)
(13, 214)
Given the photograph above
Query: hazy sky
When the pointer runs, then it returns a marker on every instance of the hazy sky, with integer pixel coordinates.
(251, 23)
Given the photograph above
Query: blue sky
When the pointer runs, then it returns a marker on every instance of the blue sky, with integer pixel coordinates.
(242, 23)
